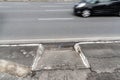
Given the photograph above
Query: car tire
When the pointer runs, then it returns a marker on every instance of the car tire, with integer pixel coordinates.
(119, 13)
(86, 13)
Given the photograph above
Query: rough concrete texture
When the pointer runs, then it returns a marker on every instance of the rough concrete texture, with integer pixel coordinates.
(19, 54)
(61, 63)
(60, 59)
(102, 57)
(104, 76)
(4, 76)
(64, 75)
(14, 68)
(52, 75)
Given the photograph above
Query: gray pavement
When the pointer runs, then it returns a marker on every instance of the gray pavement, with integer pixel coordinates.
(19, 54)
(52, 63)
(61, 62)
(14, 59)
(32, 20)
(65, 75)
(102, 57)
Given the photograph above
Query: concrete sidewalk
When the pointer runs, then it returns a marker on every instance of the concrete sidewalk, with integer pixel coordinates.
(56, 60)
(62, 62)
(104, 59)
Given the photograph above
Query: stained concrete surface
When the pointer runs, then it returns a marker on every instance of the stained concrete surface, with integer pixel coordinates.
(23, 55)
(65, 62)
(19, 54)
(60, 59)
(102, 57)
(64, 75)
(104, 76)
(52, 75)
(5, 76)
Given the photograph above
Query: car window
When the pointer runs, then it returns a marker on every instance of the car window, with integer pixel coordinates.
(114, 0)
(91, 1)
(101, 1)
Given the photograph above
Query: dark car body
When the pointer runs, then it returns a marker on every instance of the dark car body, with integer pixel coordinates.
(98, 7)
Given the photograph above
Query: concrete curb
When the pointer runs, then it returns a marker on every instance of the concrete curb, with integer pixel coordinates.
(81, 54)
(61, 40)
(38, 56)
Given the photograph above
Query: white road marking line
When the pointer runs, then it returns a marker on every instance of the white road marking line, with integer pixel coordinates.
(67, 3)
(51, 6)
(51, 19)
(12, 11)
(5, 6)
(58, 10)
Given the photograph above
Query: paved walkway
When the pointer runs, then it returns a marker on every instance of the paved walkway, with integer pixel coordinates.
(57, 62)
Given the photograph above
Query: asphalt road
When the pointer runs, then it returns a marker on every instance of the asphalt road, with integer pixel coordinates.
(26, 20)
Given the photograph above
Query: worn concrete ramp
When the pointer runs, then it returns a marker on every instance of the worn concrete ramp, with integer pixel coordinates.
(60, 59)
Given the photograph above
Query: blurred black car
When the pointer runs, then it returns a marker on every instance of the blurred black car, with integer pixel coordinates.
(86, 8)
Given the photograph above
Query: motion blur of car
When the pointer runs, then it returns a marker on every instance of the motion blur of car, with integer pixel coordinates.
(86, 8)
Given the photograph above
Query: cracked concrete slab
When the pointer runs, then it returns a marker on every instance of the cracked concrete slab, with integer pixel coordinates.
(19, 54)
(102, 57)
(16, 61)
